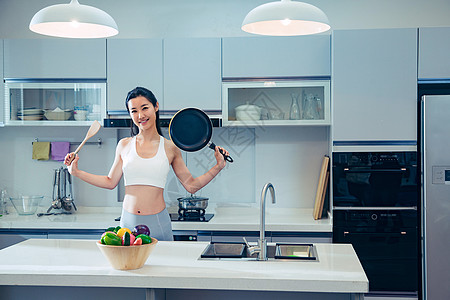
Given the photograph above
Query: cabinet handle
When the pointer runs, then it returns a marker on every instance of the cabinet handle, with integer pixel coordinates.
(401, 170)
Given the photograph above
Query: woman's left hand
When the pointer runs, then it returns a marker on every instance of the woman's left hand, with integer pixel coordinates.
(219, 156)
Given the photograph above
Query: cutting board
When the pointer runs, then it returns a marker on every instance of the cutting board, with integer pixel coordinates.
(321, 188)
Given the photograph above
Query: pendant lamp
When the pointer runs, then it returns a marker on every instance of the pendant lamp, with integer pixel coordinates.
(73, 20)
(286, 18)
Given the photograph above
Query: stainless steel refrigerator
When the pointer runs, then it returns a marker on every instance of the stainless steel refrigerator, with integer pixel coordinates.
(435, 149)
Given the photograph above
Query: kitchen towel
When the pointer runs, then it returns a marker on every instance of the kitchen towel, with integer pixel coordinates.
(41, 150)
(60, 150)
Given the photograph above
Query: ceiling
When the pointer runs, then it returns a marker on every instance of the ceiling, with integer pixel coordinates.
(223, 18)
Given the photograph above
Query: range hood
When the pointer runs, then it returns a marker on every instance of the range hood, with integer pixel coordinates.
(121, 118)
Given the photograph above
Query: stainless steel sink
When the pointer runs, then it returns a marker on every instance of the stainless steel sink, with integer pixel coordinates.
(240, 251)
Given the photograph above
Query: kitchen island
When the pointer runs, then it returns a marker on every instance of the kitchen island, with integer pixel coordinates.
(74, 269)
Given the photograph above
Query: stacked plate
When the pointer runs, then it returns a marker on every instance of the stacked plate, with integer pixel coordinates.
(30, 114)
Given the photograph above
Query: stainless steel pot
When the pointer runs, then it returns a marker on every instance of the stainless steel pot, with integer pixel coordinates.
(192, 203)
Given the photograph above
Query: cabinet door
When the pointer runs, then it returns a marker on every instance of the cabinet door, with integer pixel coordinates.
(276, 56)
(76, 236)
(302, 238)
(192, 73)
(374, 85)
(434, 49)
(132, 63)
(55, 58)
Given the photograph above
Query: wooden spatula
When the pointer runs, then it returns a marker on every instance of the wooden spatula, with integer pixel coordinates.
(95, 127)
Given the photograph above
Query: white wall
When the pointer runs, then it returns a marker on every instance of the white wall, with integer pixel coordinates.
(222, 18)
(20, 174)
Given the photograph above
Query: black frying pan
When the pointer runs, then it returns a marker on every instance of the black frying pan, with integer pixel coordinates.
(190, 129)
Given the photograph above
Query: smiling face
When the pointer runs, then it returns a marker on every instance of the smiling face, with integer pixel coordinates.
(143, 113)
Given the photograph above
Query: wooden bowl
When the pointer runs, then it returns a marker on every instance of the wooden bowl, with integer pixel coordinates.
(127, 257)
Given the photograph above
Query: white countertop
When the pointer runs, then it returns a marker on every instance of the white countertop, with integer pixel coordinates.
(225, 219)
(175, 265)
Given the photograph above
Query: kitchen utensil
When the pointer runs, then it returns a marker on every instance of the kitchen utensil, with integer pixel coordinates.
(127, 257)
(248, 112)
(26, 205)
(3, 203)
(95, 127)
(62, 191)
(52, 214)
(190, 129)
(192, 203)
(56, 202)
(68, 201)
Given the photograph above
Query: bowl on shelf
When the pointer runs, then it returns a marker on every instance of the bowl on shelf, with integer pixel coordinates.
(26, 205)
(58, 115)
(248, 112)
(30, 114)
(93, 116)
(80, 114)
(127, 257)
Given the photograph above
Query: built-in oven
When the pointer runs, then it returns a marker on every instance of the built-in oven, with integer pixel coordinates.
(375, 179)
(386, 244)
(375, 199)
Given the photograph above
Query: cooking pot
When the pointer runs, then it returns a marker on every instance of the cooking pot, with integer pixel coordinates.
(192, 203)
(248, 112)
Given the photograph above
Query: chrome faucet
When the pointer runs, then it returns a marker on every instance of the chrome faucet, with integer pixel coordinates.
(261, 249)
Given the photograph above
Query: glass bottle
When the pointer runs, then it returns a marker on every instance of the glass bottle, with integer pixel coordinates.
(294, 112)
(310, 108)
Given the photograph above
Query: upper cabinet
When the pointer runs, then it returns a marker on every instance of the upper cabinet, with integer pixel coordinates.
(132, 63)
(54, 58)
(67, 102)
(192, 73)
(276, 103)
(271, 57)
(434, 49)
(374, 85)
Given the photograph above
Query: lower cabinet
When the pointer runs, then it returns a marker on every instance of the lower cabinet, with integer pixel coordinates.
(274, 237)
(11, 237)
(77, 236)
(302, 237)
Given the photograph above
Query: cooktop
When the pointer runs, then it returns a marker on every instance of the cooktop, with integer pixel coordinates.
(187, 218)
(178, 218)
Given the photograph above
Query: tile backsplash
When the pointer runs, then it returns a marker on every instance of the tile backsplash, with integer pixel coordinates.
(289, 157)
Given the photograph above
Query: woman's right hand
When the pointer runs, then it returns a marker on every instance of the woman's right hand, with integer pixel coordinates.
(71, 162)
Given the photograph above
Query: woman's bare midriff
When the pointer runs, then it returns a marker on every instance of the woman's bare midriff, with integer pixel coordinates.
(143, 199)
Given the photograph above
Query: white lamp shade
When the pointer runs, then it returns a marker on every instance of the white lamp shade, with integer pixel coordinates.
(73, 20)
(286, 18)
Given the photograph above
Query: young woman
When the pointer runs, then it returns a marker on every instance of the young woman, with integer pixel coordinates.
(144, 160)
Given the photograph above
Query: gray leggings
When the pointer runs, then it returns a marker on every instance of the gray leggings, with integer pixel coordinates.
(159, 224)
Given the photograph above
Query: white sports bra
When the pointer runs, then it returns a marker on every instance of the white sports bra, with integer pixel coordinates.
(145, 171)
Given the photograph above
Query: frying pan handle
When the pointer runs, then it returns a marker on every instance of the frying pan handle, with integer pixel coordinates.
(226, 157)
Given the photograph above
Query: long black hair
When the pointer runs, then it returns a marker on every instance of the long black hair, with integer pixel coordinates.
(140, 91)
